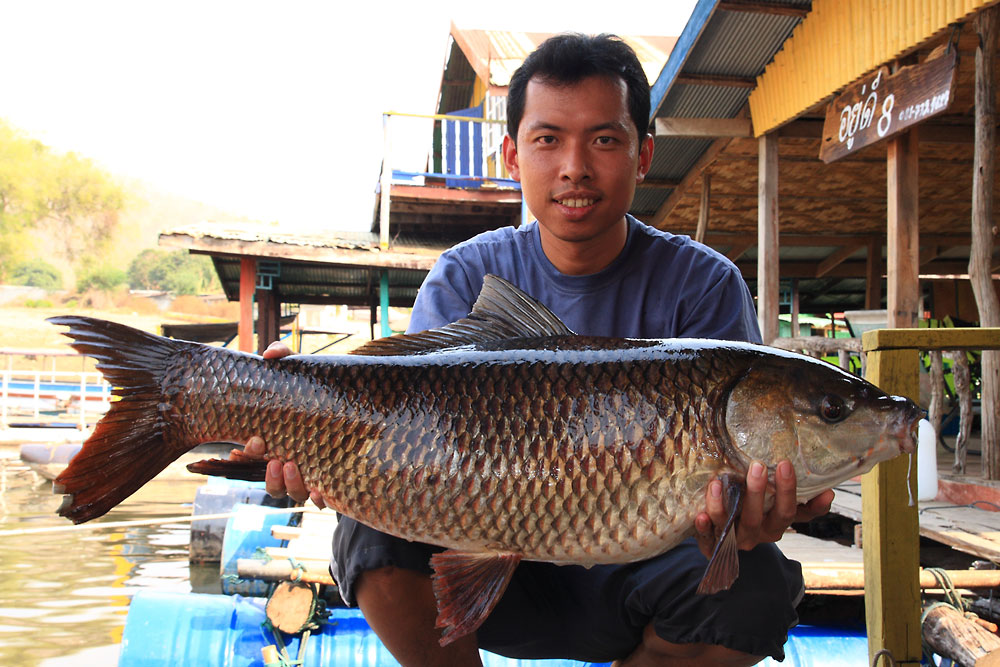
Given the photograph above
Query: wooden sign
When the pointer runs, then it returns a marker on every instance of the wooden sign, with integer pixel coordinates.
(881, 105)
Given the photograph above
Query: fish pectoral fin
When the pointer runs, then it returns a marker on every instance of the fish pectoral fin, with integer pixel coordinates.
(724, 565)
(245, 469)
(467, 587)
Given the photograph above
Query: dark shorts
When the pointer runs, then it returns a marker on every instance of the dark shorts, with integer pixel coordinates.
(599, 614)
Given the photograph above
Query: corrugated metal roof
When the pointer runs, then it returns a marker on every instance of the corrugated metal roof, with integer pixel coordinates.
(739, 43)
(862, 34)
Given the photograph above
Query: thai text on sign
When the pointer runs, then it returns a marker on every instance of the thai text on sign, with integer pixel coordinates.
(881, 105)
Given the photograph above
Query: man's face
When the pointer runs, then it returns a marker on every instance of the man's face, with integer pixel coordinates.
(578, 157)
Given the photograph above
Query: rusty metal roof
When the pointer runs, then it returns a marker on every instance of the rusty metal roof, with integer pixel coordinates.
(494, 55)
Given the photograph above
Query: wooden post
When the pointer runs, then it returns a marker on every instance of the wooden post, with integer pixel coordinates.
(385, 185)
(795, 309)
(767, 236)
(873, 276)
(706, 191)
(903, 240)
(890, 530)
(248, 282)
(983, 232)
(268, 317)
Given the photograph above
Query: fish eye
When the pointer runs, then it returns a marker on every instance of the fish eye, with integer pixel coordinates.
(833, 409)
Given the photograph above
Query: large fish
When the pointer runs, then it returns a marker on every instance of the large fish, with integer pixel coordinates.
(503, 436)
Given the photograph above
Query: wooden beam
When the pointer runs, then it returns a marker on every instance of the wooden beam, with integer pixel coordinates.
(248, 283)
(693, 173)
(929, 253)
(850, 269)
(738, 249)
(663, 183)
(703, 128)
(767, 237)
(837, 258)
(706, 191)
(721, 80)
(775, 8)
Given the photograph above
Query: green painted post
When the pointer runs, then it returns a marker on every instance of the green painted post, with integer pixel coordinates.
(383, 293)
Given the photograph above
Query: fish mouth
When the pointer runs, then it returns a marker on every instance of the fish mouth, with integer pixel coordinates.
(906, 429)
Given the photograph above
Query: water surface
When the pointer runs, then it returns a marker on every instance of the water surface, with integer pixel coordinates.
(64, 596)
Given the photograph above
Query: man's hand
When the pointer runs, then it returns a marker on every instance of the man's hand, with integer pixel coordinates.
(754, 526)
(282, 478)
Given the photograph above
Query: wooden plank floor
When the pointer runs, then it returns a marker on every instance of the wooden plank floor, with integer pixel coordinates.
(967, 529)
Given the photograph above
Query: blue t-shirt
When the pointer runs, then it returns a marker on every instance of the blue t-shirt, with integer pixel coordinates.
(660, 286)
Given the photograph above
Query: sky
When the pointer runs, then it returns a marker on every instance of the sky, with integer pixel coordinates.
(267, 110)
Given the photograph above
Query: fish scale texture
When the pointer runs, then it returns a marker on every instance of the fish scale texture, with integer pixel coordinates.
(560, 460)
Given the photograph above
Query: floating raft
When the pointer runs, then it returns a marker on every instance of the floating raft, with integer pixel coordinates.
(197, 629)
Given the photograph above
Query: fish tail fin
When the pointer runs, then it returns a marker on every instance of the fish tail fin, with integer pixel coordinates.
(131, 444)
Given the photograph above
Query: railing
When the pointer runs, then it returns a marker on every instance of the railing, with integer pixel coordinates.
(890, 526)
(470, 147)
(63, 396)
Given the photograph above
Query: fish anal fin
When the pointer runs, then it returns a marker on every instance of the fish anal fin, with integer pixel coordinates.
(724, 565)
(249, 470)
(467, 587)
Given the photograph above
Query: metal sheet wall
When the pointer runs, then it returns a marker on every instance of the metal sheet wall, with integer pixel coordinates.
(839, 41)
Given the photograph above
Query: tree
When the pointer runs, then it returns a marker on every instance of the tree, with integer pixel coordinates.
(104, 278)
(39, 187)
(177, 272)
(37, 273)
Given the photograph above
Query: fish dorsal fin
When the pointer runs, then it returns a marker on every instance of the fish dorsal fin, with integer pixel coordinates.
(501, 312)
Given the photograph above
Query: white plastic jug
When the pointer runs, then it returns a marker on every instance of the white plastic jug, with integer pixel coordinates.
(927, 472)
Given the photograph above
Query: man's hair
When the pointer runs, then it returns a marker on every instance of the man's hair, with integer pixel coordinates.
(570, 58)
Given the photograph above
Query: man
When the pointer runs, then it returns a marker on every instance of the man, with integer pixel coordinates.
(578, 112)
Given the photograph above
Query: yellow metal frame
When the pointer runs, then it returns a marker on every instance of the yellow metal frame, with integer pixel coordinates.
(839, 41)
(890, 529)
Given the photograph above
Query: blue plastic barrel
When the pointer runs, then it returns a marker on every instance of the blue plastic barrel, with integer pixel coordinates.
(192, 629)
(821, 646)
(217, 496)
(168, 629)
(247, 531)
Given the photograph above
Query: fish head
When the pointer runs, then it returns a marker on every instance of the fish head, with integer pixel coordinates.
(830, 424)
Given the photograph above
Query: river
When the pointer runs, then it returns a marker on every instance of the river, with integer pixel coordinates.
(64, 596)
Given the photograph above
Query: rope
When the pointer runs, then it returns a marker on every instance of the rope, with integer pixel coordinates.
(884, 653)
(952, 599)
(949, 507)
